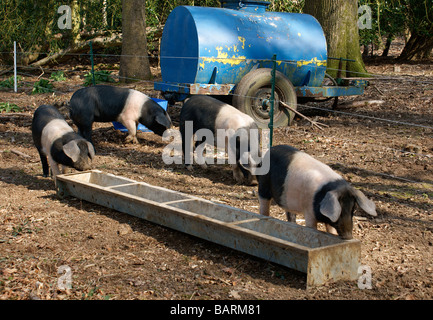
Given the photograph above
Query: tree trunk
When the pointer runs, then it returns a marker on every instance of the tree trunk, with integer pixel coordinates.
(417, 48)
(134, 62)
(76, 22)
(339, 22)
(104, 13)
(387, 45)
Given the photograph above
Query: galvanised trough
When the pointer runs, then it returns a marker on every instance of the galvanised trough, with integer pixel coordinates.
(322, 256)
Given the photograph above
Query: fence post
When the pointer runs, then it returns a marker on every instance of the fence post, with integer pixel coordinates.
(91, 61)
(271, 112)
(15, 67)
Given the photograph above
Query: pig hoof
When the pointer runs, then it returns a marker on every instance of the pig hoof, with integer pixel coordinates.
(239, 181)
(252, 183)
(203, 166)
(130, 139)
(189, 168)
(238, 178)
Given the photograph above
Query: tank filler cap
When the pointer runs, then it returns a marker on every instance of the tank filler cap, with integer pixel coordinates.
(245, 5)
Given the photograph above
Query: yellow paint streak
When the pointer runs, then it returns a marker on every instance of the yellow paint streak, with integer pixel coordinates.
(223, 57)
(312, 61)
(241, 39)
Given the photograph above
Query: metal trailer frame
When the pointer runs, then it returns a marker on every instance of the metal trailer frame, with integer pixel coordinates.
(355, 87)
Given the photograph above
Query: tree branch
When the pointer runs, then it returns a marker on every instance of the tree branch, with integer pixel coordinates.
(112, 40)
(313, 123)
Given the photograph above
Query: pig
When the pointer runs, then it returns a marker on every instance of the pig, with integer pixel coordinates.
(206, 112)
(55, 139)
(298, 183)
(106, 103)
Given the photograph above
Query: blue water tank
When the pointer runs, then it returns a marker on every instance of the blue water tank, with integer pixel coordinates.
(221, 45)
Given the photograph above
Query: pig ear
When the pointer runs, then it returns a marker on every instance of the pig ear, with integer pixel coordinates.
(72, 150)
(247, 162)
(365, 204)
(163, 120)
(330, 206)
(91, 150)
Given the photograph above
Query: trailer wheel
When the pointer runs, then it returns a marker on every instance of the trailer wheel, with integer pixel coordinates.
(254, 90)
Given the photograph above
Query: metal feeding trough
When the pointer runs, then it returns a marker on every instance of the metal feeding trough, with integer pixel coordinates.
(322, 256)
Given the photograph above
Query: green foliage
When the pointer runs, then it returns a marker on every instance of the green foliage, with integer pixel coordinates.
(33, 24)
(9, 82)
(393, 17)
(388, 19)
(287, 6)
(58, 76)
(9, 107)
(100, 77)
(42, 86)
(157, 11)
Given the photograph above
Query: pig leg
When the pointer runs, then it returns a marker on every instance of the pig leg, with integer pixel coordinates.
(265, 205)
(291, 217)
(200, 145)
(190, 152)
(310, 222)
(237, 173)
(45, 167)
(84, 127)
(54, 167)
(131, 125)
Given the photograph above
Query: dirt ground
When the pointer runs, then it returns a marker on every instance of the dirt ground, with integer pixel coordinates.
(112, 255)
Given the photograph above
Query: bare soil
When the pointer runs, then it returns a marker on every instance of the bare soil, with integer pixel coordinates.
(116, 256)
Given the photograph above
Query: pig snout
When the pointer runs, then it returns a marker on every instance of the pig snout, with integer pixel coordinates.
(345, 225)
(345, 234)
(84, 163)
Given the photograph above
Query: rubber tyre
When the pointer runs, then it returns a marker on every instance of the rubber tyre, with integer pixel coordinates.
(256, 86)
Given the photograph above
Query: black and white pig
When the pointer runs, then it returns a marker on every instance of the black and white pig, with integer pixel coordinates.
(55, 139)
(106, 103)
(301, 184)
(206, 112)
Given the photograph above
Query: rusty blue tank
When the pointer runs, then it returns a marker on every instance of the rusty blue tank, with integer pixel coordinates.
(204, 46)
(230, 51)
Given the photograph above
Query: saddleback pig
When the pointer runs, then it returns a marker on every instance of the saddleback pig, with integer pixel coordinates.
(205, 112)
(106, 103)
(301, 184)
(55, 139)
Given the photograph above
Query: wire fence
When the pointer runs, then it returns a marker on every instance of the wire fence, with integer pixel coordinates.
(30, 68)
(32, 71)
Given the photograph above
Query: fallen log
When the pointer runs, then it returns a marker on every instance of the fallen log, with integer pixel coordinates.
(19, 153)
(362, 103)
(109, 41)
